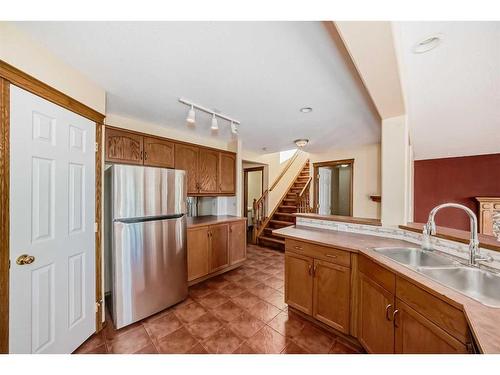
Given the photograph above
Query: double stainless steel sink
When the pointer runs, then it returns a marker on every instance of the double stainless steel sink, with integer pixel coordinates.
(481, 285)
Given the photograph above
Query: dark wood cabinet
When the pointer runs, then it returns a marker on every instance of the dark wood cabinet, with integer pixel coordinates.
(237, 242)
(186, 158)
(208, 171)
(375, 309)
(123, 147)
(158, 152)
(198, 252)
(331, 294)
(227, 173)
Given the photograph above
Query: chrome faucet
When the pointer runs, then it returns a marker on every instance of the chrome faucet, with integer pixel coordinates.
(430, 228)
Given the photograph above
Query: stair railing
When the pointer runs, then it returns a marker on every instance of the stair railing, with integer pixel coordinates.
(259, 214)
(302, 200)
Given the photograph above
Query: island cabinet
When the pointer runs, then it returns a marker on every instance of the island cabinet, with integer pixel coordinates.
(317, 282)
(213, 249)
(396, 316)
(209, 172)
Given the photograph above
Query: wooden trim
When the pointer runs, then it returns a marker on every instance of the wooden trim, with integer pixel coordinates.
(331, 163)
(33, 85)
(113, 127)
(289, 164)
(4, 214)
(98, 219)
(245, 186)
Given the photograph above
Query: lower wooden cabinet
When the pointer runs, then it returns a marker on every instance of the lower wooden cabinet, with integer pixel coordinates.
(415, 334)
(299, 282)
(331, 294)
(375, 309)
(212, 248)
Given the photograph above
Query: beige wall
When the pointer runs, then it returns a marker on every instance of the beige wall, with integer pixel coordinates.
(366, 176)
(20, 51)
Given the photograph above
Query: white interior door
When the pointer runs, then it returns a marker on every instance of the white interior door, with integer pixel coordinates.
(325, 191)
(52, 198)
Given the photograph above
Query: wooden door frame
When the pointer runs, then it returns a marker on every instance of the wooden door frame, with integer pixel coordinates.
(331, 163)
(10, 75)
(245, 186)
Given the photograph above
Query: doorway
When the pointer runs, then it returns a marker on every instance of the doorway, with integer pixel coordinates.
(333, 187)
(253, 187)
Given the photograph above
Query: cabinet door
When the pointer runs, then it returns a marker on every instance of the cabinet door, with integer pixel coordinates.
(197, 252)
(186, 158)
(123, 147)
(375, 326)
(219, 254)
(331, 294)
(208, 171)
(415, 334)
(299, 282)
(227, 173)
(237, 242)
(158, 152)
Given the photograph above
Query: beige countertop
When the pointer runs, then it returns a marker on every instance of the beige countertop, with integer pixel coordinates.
(200, 221)
(484, 321)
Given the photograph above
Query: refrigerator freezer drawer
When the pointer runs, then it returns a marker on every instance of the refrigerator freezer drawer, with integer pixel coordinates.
(149, 268)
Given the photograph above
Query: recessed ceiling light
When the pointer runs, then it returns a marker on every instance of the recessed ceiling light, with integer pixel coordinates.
(306, 109)
(427, 44)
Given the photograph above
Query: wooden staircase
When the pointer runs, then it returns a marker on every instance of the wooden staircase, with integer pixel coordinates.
(283, 216)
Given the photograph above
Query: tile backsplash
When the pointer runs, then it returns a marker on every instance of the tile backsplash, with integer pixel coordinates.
(455, 249)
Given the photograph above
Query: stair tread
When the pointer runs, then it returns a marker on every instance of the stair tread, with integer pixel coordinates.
(281, 222)
(271, 239)
(288, 206)
(284, 213)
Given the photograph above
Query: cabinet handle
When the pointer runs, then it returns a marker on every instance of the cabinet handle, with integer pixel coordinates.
(394, 315)
(310, 270)
(387, 316)
(145, 155)
(331, 256)
(314, 270)
(298, 247)
(142, 155)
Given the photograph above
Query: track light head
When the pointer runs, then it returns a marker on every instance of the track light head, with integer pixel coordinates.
(215, 125)
(191, 117)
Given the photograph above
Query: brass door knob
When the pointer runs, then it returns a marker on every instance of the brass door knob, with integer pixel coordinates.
(25, 259)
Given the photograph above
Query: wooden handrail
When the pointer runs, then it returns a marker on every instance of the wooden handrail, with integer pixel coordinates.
(306, 186)
(290, 162)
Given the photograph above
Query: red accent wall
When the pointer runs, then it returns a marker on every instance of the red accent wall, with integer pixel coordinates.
(456, 180)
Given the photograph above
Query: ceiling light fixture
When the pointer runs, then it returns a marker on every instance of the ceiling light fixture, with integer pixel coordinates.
(214, 126)
(191, 117)
(301, 142)
(306, 109)
(427, 44)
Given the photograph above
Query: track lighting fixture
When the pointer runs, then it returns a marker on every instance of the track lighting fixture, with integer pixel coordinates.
(214, 126)
(191, 117)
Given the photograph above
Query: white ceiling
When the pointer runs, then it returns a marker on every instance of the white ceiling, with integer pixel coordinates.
(453, 91)
(260, 73)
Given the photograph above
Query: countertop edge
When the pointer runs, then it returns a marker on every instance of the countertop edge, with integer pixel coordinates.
(212, 220)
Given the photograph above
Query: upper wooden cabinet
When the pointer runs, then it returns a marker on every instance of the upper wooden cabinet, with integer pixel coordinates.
(123, 147)
(158, 152)
(209, 172)
(186, 157)
(227, 173)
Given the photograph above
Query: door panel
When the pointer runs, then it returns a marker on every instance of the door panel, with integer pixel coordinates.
(375, 329)
(415, 334)
(52, 200)
(208, 171)
(158, 152)
(227, 173)
(237, 242)
(186, 158)
(299, 282)
(219, 254)
(331, 296)
(197, 250)
(123, 147)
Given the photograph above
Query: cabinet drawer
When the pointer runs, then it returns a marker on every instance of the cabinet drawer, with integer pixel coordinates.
(329, 254)
(444, 315)
(379, 274)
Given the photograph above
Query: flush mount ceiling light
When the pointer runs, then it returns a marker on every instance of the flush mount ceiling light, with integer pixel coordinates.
(344, 165)
(306, 109)
(191, 117)
(427, 44)
(301, 142)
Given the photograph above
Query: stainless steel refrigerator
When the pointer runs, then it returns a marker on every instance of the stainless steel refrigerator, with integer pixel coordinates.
(145, 240)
